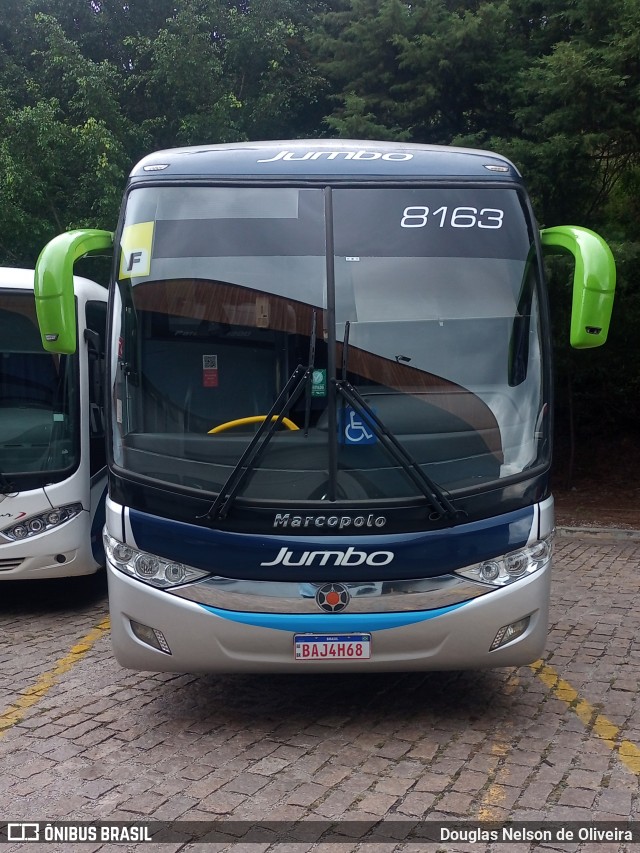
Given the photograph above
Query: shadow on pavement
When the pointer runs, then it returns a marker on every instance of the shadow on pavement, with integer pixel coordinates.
(50, 596)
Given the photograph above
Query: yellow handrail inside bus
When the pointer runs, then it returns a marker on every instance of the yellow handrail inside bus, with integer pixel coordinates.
(254, 419)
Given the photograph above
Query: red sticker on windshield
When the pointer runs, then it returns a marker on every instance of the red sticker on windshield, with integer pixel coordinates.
(209, 371)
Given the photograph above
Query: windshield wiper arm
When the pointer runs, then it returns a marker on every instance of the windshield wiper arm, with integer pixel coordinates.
(440, 503)
(345, 349)
(248, 462)
(7, 488)
(312, 361)
(258, 444)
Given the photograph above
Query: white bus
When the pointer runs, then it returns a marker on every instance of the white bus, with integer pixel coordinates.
(329, 378)
(52, 450)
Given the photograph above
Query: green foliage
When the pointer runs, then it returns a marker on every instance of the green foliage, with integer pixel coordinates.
(53, 176)
(64, 140)
(553, 85)
(89, 86)
(218, 71)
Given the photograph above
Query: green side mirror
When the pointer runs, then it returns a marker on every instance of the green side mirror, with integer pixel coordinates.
(53, 284)
(594, 281)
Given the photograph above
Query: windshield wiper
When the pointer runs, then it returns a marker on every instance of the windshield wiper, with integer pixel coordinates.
(312, 361)
(258, 444)
(345, 349)
(440, 503)
(250, 459)
(7, 488)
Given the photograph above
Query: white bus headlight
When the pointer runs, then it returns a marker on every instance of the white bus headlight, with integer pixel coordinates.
(147, 567)
(503, 570)
(42, 522)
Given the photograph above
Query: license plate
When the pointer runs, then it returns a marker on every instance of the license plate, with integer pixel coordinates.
(332, 646)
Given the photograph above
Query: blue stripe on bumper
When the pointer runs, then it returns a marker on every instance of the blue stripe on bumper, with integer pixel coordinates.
(331, 622)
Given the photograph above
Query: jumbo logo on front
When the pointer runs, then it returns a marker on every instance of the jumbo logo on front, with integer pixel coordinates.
(350, 557)
(345, 155)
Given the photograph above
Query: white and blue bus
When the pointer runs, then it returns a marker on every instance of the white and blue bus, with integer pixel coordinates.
(329, 376)
(53, 475)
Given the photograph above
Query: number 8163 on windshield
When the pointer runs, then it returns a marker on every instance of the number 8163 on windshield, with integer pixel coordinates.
(419, 216)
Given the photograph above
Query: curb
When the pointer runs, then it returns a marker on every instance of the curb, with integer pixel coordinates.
(616, 533)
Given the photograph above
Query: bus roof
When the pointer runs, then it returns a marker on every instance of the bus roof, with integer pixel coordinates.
(313, 159)
(15, 278)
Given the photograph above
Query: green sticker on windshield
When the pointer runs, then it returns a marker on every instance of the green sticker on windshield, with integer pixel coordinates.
(319, 383)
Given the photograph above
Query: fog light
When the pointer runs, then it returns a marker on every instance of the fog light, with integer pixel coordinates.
(151, 636)
(510, 632)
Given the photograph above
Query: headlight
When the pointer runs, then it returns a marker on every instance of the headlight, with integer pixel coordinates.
(501, 571)
(42, 522)
(148, 567)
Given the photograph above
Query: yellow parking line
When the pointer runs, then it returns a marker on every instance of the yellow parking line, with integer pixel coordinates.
(493, 799)
(607, 731)
(16, 712)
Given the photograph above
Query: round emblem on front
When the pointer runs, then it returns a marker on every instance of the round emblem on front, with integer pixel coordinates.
(332, 597)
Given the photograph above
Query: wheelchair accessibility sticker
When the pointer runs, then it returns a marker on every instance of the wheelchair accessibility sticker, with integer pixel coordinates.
(355, 428)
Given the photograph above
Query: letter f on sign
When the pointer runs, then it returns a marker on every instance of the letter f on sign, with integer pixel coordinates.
(136, 245)
(134, 258)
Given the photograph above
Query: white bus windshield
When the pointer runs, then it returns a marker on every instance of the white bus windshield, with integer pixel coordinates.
(39, 437)
(424, 300)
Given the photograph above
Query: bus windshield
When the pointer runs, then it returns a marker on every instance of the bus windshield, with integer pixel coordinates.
(424, 302)
(39, 436)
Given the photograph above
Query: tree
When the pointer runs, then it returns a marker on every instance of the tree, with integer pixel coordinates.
(222, 71)
(63, 141)
(88, 87)
(552, 85)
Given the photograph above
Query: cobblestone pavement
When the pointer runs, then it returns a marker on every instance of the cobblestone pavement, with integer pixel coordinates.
(83, 739)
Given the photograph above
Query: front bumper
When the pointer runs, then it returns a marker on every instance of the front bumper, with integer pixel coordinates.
(64, 551)
(207, 638)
